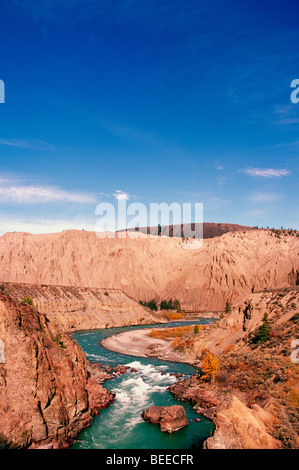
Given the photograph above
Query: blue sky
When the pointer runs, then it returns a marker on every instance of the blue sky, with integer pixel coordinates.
(151, 101)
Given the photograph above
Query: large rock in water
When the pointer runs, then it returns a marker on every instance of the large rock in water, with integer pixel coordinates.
(170, 418)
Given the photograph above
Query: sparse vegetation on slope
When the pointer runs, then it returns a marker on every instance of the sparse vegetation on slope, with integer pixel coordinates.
(255, 364)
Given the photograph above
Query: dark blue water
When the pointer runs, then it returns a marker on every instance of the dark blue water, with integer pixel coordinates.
(120, 426)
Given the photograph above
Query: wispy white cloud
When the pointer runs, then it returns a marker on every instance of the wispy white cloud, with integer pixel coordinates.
(284, 115)
(14, 191)
(131, 133)
(26, 144)
(266, 172)
(120, 195)
(264, 197)
(294, 145)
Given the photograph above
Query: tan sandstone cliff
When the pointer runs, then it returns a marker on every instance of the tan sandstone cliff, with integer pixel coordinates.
(227, 267)
(238, 427)
(81, 308)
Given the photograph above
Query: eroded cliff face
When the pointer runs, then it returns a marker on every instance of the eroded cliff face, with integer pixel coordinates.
(225, 268)
(254, 400)
(79, 308)
(239, 427)
(279, 304)
(236, 425)
(47, 394)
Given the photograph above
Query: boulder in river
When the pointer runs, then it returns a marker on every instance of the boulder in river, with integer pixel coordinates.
(170, 418)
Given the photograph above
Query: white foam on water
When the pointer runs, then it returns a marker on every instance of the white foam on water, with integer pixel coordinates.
(152, 374)
(134, 392)
(133, 421)
(96, 357)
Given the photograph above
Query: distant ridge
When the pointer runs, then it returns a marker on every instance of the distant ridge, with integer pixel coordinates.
(210, 229)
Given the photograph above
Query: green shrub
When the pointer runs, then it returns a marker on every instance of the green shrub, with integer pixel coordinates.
(27, 301)
(227, 307)
(295, 317)
(58, 341)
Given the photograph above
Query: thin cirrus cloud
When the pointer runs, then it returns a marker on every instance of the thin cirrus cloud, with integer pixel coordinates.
(264, 197)
(24, 144)
(16, 193)
(266, 172)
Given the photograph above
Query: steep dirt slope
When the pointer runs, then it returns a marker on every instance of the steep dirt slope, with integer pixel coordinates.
(234, 328)
(227, 267)
(254, 399)
(81, 308)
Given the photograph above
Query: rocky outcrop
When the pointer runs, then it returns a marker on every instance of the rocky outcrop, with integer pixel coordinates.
(254, 400)
(47, 393)
(236, 425)
(203, 400)
(228, 267)
(169, 418)
(79, 308)
(239, 427)
(244, 319)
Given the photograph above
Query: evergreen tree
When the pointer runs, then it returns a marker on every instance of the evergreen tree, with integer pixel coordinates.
(264, 331)
(227, 307)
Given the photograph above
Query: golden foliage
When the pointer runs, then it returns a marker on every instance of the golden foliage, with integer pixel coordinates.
(173, 316)
(210, 366)
(163, 333)
(175, 342)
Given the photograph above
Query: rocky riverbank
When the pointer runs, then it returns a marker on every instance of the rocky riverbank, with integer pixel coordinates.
(236, 425)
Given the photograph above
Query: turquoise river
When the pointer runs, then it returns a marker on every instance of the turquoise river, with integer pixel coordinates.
(120, 426)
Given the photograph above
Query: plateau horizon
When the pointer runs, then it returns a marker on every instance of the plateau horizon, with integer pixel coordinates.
(125, 220)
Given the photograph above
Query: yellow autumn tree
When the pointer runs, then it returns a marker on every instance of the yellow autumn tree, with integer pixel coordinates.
(175, 342)
(210, 366)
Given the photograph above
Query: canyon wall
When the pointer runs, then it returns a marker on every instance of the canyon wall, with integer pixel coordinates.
(224, 268)
(82, 308)
(47, 394)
